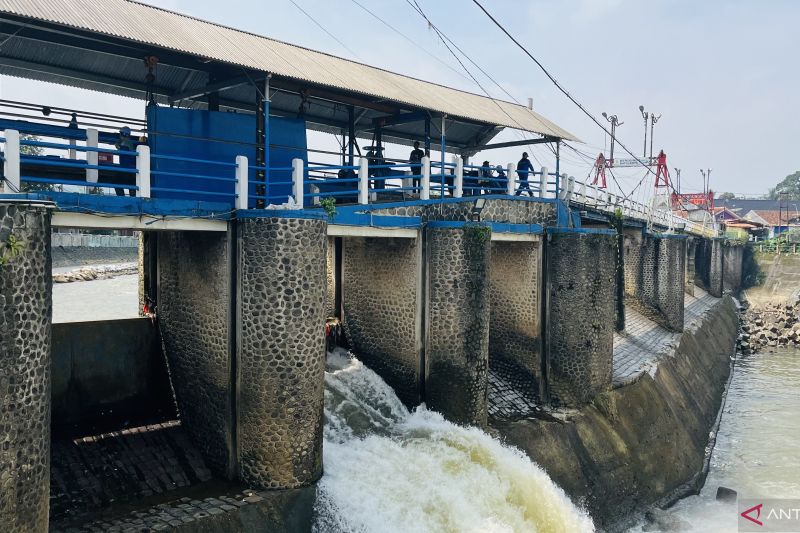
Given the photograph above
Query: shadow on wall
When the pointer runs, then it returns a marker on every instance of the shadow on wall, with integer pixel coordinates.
(752, 275)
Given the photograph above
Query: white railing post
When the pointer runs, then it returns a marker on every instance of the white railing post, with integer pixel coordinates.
(511, 173)
(11, 164)
(143, 171)
(363, 181)
(582, 193)
(425, 182)
(242, 190)
(458, 181)
(542, 183)
(298, 189)
(91, 155)
(570, 187)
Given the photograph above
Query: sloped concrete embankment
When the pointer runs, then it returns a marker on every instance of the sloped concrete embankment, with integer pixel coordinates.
(636, 444)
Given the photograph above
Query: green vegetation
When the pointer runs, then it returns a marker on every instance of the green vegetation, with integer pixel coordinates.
(478, 233)
(10, 249)
(727, 196)
(329, 205)
(789, 185)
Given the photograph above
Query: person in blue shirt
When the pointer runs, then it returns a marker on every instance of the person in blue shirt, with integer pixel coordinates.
(524, 171)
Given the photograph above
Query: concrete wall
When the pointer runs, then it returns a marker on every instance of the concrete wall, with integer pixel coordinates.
(382, 300)
(637, 444)
(106, 374)
(732, 268)
(515, 327)
(25, 341)
(194, 313)
(581, 286)
(280, 367)
(457, 321)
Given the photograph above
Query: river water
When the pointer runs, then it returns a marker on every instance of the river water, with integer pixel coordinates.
(757, 452)
(391, 470)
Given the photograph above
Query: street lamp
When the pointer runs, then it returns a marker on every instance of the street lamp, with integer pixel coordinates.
(614, 123)
(645, 116)
(653, 120)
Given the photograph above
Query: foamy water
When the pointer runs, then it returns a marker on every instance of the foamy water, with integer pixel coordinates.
(391, 470)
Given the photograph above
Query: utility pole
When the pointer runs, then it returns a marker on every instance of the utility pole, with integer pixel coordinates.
(678, 178)
(646, 116)
(653, 120)
(614, 123)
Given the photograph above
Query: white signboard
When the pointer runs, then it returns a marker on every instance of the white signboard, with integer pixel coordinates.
(630, 162)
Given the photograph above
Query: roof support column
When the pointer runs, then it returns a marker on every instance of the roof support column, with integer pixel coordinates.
(351, 134)
(262, 145)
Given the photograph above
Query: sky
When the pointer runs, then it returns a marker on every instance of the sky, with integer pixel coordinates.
(723, 75)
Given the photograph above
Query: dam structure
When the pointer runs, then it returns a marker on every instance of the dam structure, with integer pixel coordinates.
(488, 306)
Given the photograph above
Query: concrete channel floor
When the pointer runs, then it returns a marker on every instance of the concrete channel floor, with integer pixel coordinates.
(638, 348)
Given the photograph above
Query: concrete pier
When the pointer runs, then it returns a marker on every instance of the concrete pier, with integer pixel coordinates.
(25, 343)
(715, 267)
(691, 243)
(457, 320)
(580, 266)
(280, 363)
(655, 276)
(733, 257)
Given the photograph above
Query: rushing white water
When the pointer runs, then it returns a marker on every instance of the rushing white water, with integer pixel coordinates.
(388, 469)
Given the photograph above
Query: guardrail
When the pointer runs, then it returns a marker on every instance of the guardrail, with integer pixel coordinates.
(606, 201)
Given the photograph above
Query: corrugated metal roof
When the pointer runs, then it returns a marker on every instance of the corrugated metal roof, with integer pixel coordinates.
(154, 26)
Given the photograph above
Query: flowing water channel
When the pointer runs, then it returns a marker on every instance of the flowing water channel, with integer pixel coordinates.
(757, 452)
(388, 469)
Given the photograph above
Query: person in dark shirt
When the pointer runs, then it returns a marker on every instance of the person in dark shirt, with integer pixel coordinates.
(416, 159)
(524, 172)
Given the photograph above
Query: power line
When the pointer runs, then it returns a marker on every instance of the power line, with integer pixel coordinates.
(562, 89)
(409, 39)
(320, 26)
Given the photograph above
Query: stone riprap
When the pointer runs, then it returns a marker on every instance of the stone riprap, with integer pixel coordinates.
(194, 294)
(581, 287)
(457, 321)
(381, 297)
(25, 343)
(91, 273)
(281, 350)
(514, 331)
(770, 327)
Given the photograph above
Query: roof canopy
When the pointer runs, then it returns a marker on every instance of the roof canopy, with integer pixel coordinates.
(101, 44)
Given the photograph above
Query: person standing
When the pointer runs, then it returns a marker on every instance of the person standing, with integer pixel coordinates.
(524, 171)
(416, 163)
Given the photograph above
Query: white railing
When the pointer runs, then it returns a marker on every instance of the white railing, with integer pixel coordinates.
(603, 200)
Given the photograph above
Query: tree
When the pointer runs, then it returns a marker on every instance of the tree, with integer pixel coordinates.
(26, 149)
(727, 196)
(789, 185)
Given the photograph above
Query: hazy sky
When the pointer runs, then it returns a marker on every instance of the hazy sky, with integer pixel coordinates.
(723, 74)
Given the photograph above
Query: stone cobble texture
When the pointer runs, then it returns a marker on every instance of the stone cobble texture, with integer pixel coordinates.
(381, 280)
(194, 315)
(691, 244)
(25, 342)
(281, 351)
(514, 330)
(330, 271)
(715, 270)
(495, 210)
(581, 288)
(457, 338)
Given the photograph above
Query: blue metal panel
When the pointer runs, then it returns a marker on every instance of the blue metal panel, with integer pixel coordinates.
(287, 138)
(123, 205)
